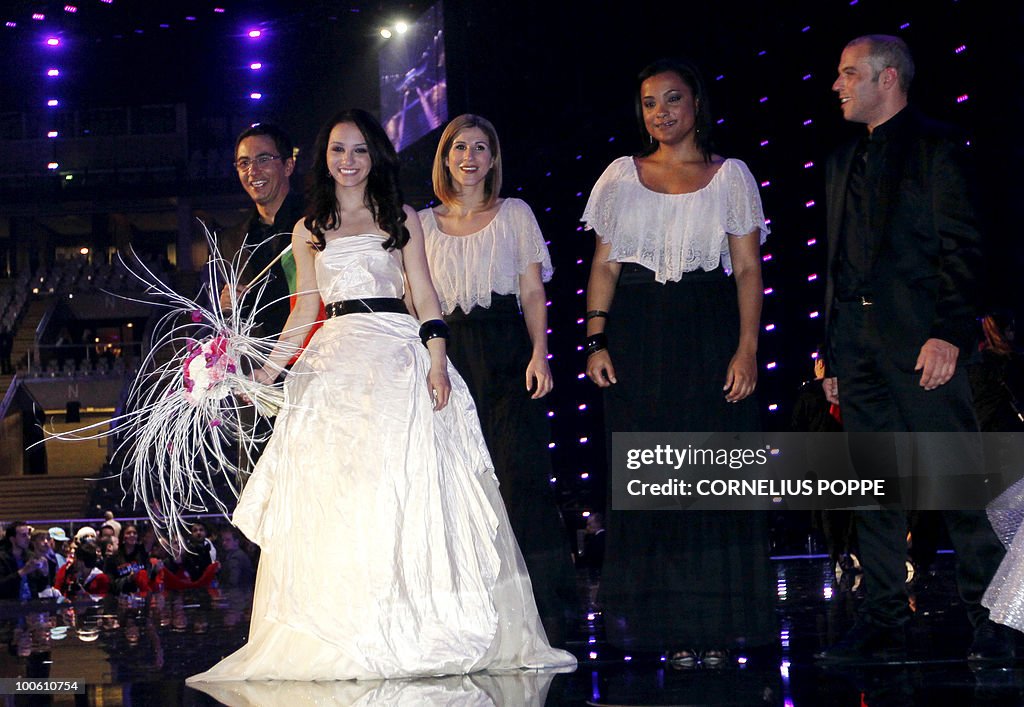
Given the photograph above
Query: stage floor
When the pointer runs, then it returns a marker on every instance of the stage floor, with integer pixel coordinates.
(133, 652)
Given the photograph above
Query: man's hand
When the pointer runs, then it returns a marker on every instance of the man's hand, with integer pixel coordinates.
(226, 299)
(831, 388)
(937, 362)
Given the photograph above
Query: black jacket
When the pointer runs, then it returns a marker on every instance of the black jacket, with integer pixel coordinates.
(924, 273)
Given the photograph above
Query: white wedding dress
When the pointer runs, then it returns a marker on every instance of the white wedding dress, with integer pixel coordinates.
(386, 550)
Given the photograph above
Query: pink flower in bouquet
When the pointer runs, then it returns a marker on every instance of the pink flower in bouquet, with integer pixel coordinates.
(206, 371)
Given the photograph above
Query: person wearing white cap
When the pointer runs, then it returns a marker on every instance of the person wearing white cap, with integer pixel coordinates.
(86, 531)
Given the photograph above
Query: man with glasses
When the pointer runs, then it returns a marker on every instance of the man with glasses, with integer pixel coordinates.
(264, 162)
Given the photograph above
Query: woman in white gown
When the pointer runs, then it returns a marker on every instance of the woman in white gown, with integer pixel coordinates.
(378, 450)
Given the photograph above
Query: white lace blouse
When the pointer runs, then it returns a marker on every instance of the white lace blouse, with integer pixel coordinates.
(674, 233)
(467, 269)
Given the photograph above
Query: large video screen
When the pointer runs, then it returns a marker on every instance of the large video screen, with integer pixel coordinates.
(413, 82)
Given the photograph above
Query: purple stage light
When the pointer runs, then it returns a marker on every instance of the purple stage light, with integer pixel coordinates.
(254, 34)
(53, 103)
(52, 41)
(53, 72)
(256, 66)
(38, 16)
(255, 95)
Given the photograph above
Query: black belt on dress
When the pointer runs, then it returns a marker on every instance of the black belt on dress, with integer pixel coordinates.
(365, 305)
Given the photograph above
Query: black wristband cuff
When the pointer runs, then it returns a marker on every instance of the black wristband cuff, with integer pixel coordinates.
(594, 343)
(433, 329)
(595, 313)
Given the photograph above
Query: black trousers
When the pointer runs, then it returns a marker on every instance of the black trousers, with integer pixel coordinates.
(877, 396)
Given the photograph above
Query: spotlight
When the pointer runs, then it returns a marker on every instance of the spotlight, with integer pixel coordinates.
(254, 34)
(53, 41)
(385, 33)
(53, 103)
(401, 27)
(52, 133)
(52, 165)
(53, 72)
(83, 251)
(256, 66)
(255, 95)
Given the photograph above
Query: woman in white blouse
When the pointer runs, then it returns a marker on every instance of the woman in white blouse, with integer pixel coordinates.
(678, 234)
(489, 262)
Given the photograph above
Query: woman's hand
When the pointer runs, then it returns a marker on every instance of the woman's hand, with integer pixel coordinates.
(439, 385)
(538, 375)
(740, 377)
(263, 376)
(600, 368)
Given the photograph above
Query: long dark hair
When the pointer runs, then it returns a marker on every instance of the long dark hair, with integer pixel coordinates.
(383, 196)
(690, 75)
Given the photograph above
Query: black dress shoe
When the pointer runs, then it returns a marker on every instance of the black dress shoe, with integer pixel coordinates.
(867, 642)
(992, 643)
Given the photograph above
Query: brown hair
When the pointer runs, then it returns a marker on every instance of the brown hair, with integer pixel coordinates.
(444, 187)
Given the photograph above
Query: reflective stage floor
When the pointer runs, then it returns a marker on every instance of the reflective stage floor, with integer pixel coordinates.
(139, 652)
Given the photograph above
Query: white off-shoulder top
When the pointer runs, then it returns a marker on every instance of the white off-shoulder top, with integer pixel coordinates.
(467, 269)
(674, 233)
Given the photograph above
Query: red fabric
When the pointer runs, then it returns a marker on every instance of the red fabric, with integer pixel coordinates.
(180, 580)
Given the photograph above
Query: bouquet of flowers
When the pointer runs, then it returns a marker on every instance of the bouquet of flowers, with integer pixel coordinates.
(183, 425)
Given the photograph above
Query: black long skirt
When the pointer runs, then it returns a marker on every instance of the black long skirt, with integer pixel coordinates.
(491, 348)
(681, 579)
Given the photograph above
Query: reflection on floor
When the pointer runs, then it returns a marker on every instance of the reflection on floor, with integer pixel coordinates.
(138, 652)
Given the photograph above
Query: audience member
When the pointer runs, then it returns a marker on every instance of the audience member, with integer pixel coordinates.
(128, 566)
(236, 567)
(60, 540)
(108, 519)
(83, 576)
(16, 562)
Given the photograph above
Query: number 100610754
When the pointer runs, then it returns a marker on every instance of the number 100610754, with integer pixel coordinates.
(40, 686)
